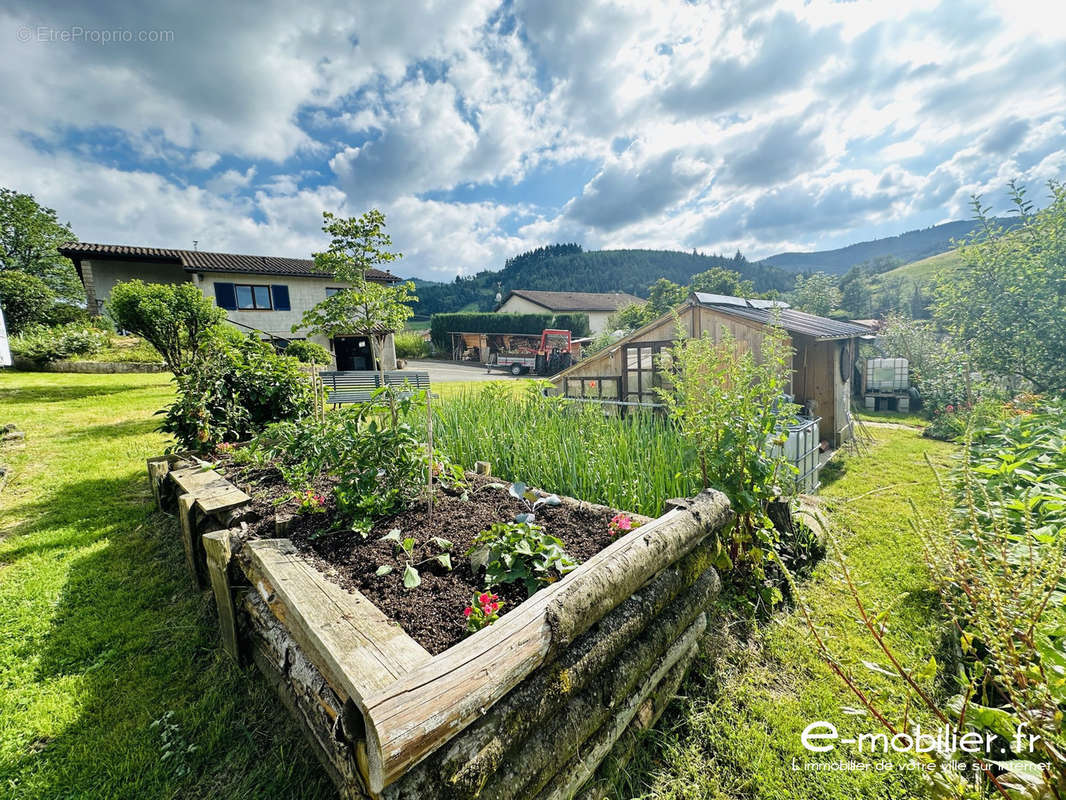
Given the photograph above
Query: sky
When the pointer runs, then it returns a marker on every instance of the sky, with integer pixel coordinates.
(484, 129)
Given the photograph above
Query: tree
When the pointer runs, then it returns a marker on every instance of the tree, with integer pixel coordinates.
(175, 318)
(816, 294)
(855, 295)
(717, 280)
(1006, 302)
(368, 308)
(664, 296)
(24, 298)
(30, 236)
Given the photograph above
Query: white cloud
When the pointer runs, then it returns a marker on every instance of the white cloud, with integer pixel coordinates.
(747, 123)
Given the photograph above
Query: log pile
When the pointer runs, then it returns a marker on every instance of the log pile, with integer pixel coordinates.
(531, 707)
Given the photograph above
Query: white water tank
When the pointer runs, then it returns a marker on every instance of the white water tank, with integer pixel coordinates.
(887, 375)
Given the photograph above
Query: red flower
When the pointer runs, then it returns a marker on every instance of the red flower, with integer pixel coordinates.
(492, 608)
(467, 611)
(483, 598)
(950, 409)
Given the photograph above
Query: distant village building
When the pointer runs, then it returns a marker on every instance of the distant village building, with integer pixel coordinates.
(264, 293)
(824, 350)
(598, 305)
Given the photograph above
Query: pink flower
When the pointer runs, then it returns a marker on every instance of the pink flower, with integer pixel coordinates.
(620, 523)
(483, 598)
(492, 608)
(950, 409)
(468, 611)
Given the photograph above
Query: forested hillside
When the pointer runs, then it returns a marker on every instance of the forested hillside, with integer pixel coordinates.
(907, 247)
(567, 267)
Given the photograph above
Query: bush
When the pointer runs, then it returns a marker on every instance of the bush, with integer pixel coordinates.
(25, 300)
(441, 325)
(232, 392)
(42, 344)
(308, 352)
(175, 318)
(66, 313)
(410, 344)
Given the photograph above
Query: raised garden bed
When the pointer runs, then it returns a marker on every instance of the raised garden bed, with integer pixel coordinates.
(406, 707)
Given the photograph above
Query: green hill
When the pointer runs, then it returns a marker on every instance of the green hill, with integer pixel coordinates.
(567, 267)
(926, 269)
(910, 247)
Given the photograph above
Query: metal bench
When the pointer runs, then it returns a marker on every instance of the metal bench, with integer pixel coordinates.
(357, 386)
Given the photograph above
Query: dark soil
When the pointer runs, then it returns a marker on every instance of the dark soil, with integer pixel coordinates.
(431, 613)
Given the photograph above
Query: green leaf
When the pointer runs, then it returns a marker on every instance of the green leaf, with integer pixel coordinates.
(445, 560)
(392, 536)
(384, 569)
(411, 578)
(443, 544)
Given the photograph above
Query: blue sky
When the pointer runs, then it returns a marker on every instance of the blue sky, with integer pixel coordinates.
(484, 129)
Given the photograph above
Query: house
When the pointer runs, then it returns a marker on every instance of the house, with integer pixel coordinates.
(822, 362)
(599, 306)
(264, 293)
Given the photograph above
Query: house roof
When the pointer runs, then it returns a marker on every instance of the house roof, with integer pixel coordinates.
(202, 261)
(772, 312)
(576, 301)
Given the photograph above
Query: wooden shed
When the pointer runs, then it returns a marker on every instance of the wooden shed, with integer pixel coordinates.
(823, 356)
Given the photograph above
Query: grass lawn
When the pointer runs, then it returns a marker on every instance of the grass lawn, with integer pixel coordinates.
(912, 419)
(112, 684)
(737, 730)
(101, 634)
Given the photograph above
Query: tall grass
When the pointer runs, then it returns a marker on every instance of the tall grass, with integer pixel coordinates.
(570, 448)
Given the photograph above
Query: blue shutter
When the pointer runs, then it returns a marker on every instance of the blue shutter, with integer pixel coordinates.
(225, 296)
(281, 297)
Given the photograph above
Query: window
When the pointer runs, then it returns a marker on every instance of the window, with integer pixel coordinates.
(251, 297)
(641, 371)
(332, 290)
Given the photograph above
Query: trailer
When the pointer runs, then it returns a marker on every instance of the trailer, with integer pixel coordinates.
(545, 354)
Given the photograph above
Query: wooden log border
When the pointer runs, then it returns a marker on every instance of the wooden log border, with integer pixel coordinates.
(409, 704)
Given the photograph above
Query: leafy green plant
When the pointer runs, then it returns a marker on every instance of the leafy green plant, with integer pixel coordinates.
(512, 552)
(727, 406)
(43, 345)
(484, 610)
(308, 352)
(410, 344)
(232, 392)
(531, 500)
(175, 318)
(311, 502)
(404, 548)
(25, 300)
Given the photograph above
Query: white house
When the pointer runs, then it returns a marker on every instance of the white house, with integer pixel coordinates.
(263, 293)
(599, 306)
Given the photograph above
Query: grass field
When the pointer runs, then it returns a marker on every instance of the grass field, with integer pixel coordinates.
(112, 686)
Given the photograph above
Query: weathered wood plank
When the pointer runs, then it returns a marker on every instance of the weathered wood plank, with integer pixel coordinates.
(565, 781)
(157, 472)
(217, 499)
(430, 705)
(218, 550)
(189, 539)
(355, 646)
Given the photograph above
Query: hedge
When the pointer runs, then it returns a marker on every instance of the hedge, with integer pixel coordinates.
(441, 325)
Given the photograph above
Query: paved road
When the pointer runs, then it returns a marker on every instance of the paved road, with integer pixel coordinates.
(442, 371)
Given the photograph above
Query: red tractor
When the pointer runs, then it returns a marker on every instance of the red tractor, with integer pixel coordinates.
(553, 354)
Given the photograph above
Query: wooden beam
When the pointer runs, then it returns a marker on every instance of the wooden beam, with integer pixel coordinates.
(218, 550)
(187, 519)
(157, 472)
(355, 646)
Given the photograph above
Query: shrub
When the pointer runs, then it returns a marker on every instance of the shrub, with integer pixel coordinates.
(42, 344)
(410, 344)
(174, 317)
(308, 352)
(727, 406)
(66, 313)
(232, 392)
(25, 300)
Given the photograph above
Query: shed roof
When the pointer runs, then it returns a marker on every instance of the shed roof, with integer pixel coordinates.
(771, 312)
(576, 301)
(203, 261)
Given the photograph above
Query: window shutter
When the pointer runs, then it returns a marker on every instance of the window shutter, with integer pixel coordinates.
(280, 294)
(225, 296)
